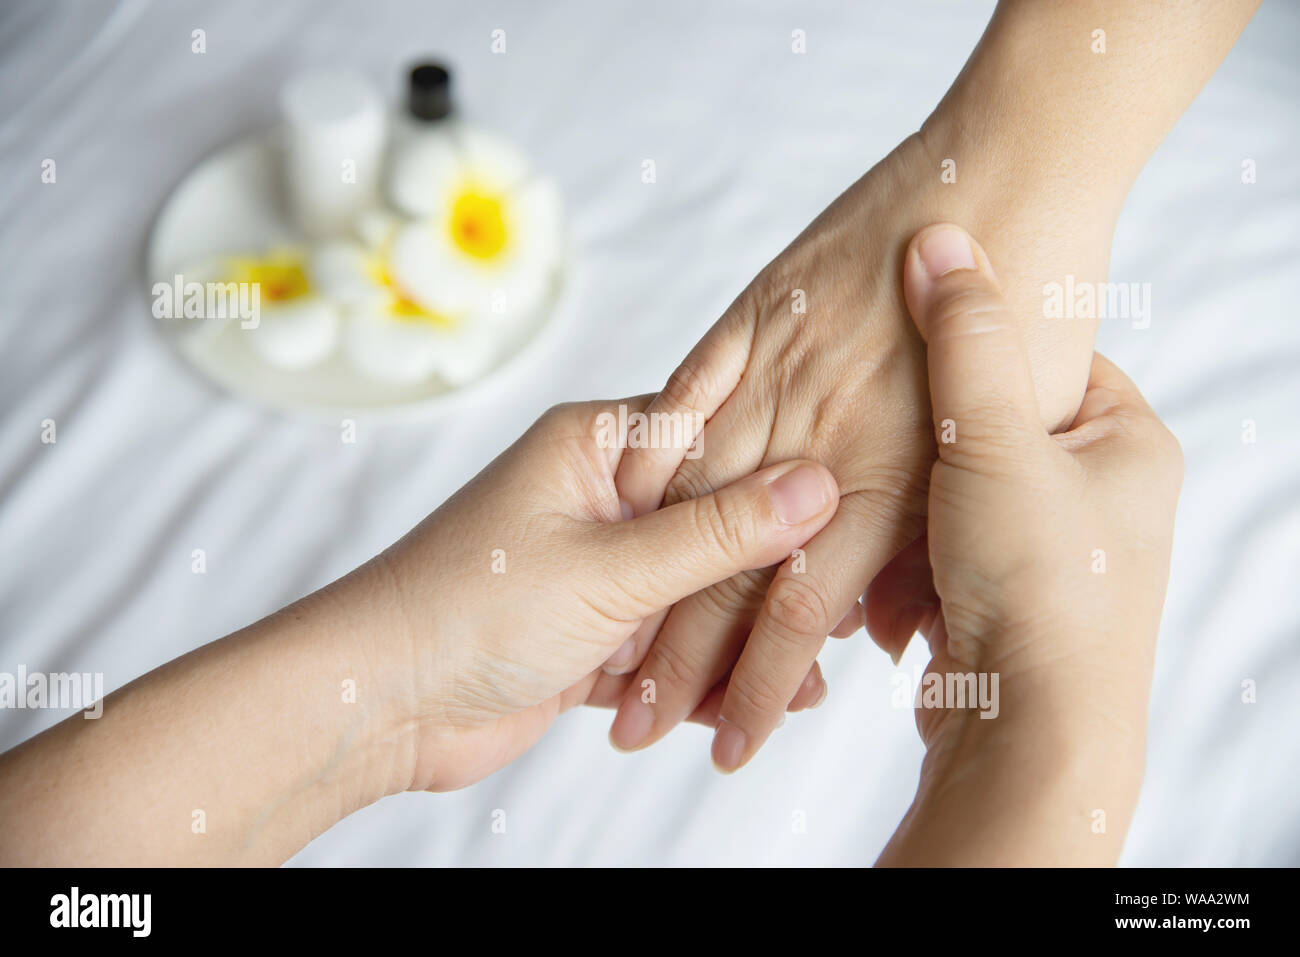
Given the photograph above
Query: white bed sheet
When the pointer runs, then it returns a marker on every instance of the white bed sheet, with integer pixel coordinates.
(750, 141)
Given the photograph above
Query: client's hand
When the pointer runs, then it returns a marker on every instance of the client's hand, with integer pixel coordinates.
(518, 588)
(1050, 558)
(817, 359)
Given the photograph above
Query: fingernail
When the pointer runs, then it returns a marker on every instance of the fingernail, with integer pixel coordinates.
(806, 687)
(619, 660)
(821, 700)
(944, 249)
(799, 495)
(626, 508)
(632, 725)
(905, 625)
(728, 746)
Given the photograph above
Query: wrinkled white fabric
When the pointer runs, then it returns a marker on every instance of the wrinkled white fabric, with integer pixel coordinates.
(750, 141)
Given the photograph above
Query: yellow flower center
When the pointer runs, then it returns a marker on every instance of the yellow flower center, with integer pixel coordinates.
(400, 304)
(279, 277)
(478, 225)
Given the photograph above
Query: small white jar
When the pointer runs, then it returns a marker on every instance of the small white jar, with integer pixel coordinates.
(335, 132)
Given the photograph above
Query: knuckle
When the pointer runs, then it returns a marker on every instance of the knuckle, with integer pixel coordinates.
(787, 367)
(723, 527)
(670, 667)
(687, 389)
(1176, 459)
(751, 694)
(735, 597)
(558, 415)
(1169, 451)
(798, 609)
(968, 306)
(890, 494)
(1151, 441)
(688, 483)
(891, 509)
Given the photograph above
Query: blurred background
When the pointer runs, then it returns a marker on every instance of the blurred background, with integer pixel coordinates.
(750, 141)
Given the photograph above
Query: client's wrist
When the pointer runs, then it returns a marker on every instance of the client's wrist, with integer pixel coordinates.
(372, 645)
(1043, 227)
(1051, 779)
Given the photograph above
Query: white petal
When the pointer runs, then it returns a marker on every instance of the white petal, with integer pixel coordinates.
(433, 272)
(389, 349)
(422, 172)
(468, 351)
(516, 291)
(376, 227)
(436, 273)
(491, 161)
(536, 212)
(338, 270)
(295, 335)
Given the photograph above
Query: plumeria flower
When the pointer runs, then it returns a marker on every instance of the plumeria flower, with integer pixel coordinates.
(485, 238)
(388, 334)
(297, 327)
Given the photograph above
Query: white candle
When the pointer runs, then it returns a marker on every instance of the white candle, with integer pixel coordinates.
(334, 129)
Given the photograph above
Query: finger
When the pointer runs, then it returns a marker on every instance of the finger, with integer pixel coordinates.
(981, 388)
(1109, 391)
(694, 392)
(806, 599)
(706, 713)
(694, 652)
(632, 652)
(850, 623)
(651, 562)
(690, 659)
(699, 641)
(600, 690)
(1115, 424)
(733, 453)
(811, 694)
(730, 447)
(900, 598)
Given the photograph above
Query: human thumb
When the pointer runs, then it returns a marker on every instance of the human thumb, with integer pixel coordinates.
(981, 387)
(665, 555)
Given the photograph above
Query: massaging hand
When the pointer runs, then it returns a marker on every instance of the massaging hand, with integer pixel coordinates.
(520, 586)
(429, 667)
(1050, 557)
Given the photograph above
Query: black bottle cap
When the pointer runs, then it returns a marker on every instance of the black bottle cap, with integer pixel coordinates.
(430, 93)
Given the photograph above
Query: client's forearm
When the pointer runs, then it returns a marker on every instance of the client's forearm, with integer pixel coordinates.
(1038, 141)
(1073, 96)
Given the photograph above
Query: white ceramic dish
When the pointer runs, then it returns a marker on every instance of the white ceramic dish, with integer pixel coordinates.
(233, 200)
